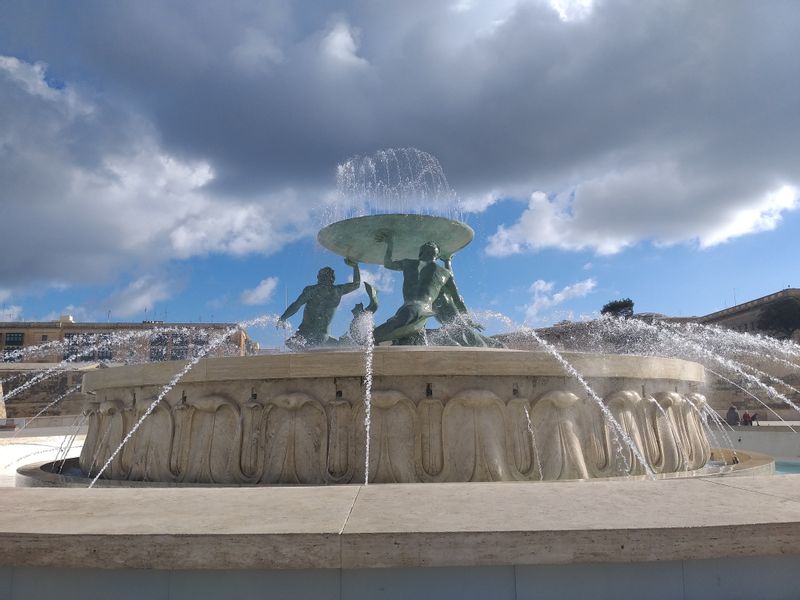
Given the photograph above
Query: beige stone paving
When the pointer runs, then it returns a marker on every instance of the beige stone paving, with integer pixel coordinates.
(400, 525)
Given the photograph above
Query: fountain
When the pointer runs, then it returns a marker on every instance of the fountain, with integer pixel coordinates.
(433, 410)
(463, 412)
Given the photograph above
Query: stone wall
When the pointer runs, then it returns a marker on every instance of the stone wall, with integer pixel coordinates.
(41, 392)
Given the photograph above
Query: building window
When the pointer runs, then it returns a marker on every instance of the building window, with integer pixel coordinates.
(73, 342)
(80, 347)
(180, 347)
(195, 344)
(87, 347)
(44, 337)
(15, 339)
(158, 347)
(104, 351)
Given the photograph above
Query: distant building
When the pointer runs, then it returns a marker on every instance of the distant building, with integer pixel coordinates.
(59, 352)
(56, 341)
(745, 317)
(721, 391)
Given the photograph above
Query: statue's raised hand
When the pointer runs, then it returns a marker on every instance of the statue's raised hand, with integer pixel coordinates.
(350, 262)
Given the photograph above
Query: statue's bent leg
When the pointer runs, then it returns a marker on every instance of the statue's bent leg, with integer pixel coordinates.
(406, 323)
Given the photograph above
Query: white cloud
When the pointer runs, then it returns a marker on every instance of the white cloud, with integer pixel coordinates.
(89, 185)
(79, 313)
(30, 76)
(239, 229)
(572, 10)
(637, 121)
(479, 203)
(646, 202)
(544, 298)
(763, 215)
(142, 293)
(262, 293)
(380, 279)
(10, 313)
(340, 45)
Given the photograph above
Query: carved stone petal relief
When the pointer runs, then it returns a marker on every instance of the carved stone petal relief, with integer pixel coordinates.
(214, 441)
(557, 422)
(393, 439)
(673, 455)
(626, 408)
(151, 448)
(297, 440)
(340, 463)
(253, 451)
(113, 426)
(525, 456)
(474, 436)
(701, 449)
(430, 443)
(92, 436)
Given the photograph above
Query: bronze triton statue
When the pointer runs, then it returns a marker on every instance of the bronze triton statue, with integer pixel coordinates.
(321, 301)
(423, 280)
(429, 289)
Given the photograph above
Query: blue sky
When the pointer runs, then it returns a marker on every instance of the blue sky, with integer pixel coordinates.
(174, 158)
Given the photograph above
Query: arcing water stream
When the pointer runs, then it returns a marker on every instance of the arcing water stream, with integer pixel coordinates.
(723, 352)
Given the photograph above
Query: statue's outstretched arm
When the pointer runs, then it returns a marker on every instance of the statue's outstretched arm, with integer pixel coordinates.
(294, 306)
(386, 236)
(346, 288)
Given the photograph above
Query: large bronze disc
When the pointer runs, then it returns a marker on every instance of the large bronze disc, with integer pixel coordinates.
(356, 238)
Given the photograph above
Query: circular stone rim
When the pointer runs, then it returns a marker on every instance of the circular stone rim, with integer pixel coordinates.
(355, 238)
(397, 361)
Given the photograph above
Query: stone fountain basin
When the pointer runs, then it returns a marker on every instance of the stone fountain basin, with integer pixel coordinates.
(437, 415)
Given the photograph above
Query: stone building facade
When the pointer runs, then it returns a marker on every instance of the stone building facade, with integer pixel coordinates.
(745, 317)
(65, 339)
(49, 358)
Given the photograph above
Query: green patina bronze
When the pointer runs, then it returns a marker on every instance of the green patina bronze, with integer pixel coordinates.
(458, 328)
(356, 237)
(429, 290)
(412, 244)
(321, 301)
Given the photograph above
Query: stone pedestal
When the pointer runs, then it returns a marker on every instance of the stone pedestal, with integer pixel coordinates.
(437, 415)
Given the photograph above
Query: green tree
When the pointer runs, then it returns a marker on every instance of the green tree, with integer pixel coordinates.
(780, 318)
(618, 308)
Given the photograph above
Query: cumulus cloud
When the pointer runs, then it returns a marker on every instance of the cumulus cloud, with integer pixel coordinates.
(142, 293)
(89, 191)
(262, 293)
(340, 45)
(572, 10)
(636, 120)
(544, 297)
(380, 279)
(78, 313)
(651, 203)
